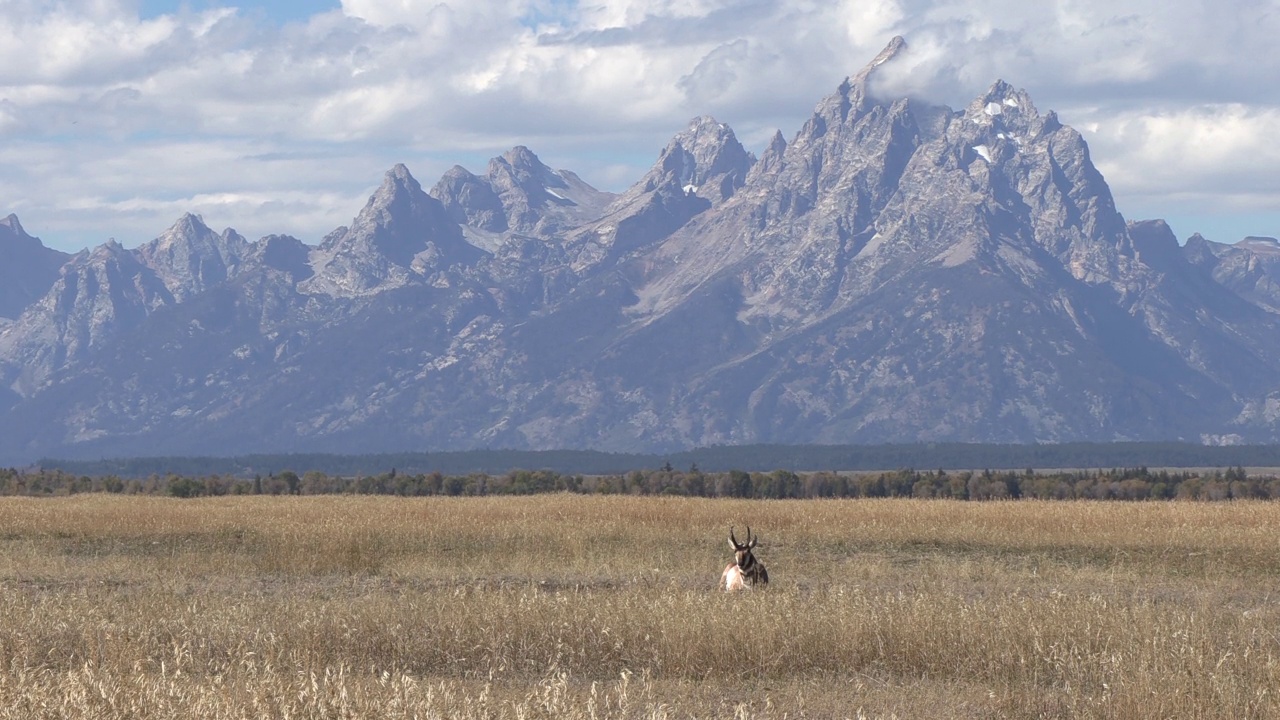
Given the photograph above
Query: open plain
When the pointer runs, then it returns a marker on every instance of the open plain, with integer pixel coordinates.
(568, 606)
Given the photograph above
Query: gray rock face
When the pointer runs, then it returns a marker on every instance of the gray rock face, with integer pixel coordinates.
(401, 234)
(189, 258)
(701, 167)
(895, 272)
(1250, 268)
(98, 296)
(471, 200)
(27, 268)
(518, 194)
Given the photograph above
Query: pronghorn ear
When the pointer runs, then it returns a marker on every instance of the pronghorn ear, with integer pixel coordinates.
(733, 544)
(752, 543)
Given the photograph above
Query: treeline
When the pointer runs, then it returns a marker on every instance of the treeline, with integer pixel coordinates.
(1118, 484)
(808, 458)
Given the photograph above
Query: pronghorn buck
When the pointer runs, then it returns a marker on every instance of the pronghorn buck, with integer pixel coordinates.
(745, 571)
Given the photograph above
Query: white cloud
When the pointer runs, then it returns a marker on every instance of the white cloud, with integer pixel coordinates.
(252, 186)
(1204, 156)
(126, 120)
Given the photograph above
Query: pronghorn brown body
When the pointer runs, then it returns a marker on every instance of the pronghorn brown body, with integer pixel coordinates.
(745, 571)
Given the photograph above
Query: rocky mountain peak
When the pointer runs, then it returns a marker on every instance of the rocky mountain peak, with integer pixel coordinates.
(1250, 267)
(399, 209)
(399, 173)
(95, 295)
(189, 224)
(855, 95)
(771, 159)
(1153, 235)
(898, 271)
(398, 197)
(702, 166)
(14, 239)
(11, 224)
(518, 193)
(704, 160)
(522, 160)
(897, 45)
(400, 232)
(110, 248)
(1200, 251)
(1155, 243)
(524, 186)
(189, 257)
(1030, 164)
(1260, 244)
(27, 267)
(470, 200)
(1002, 107)
(1006, 117)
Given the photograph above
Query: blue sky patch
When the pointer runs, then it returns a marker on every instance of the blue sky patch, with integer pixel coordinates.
(279, 12)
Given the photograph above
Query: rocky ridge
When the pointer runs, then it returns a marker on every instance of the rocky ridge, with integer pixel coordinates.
(895, 271)
(27, 268)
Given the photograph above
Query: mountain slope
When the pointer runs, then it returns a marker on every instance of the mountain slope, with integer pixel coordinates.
(902, 271)
(27, 268)
(896, 271)
(401, 235)
(518, 194)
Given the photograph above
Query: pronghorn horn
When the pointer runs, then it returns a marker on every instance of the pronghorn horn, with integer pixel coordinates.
(751, 542)
(733, 539)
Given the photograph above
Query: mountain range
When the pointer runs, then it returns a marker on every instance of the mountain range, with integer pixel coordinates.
(897, 271)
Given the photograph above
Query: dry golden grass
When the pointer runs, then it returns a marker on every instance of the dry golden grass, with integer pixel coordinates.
(605, 607)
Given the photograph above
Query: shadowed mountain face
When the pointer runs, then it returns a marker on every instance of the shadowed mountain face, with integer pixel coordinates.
(27, 268)
(895, 271)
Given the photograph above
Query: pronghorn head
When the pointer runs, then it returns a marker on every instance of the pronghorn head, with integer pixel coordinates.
(742, 551)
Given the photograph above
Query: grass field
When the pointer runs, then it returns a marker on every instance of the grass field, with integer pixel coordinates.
(605, 607)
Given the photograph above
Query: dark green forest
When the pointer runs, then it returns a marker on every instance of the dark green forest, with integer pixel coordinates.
(1106, 471)
(752, 458)
(1117, 484)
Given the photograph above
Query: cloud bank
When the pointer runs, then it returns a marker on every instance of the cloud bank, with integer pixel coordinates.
(112, 124)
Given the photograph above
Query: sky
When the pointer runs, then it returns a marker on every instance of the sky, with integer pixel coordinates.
(118, 116)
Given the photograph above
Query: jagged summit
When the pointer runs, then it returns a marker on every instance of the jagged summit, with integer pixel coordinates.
(1155, 243)
(527, 166)
(1002, 104)
(11, 222)
(701, 167)
(400, 233)
(855, 94)
(15, 238)
(517, 194)
(897, 45)
(27, 268)
(897, 271)
(190, 257)
(470, 200)
(705, 159)
(398, 188)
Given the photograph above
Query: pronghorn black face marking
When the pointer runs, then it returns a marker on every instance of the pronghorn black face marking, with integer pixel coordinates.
(745, 571)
